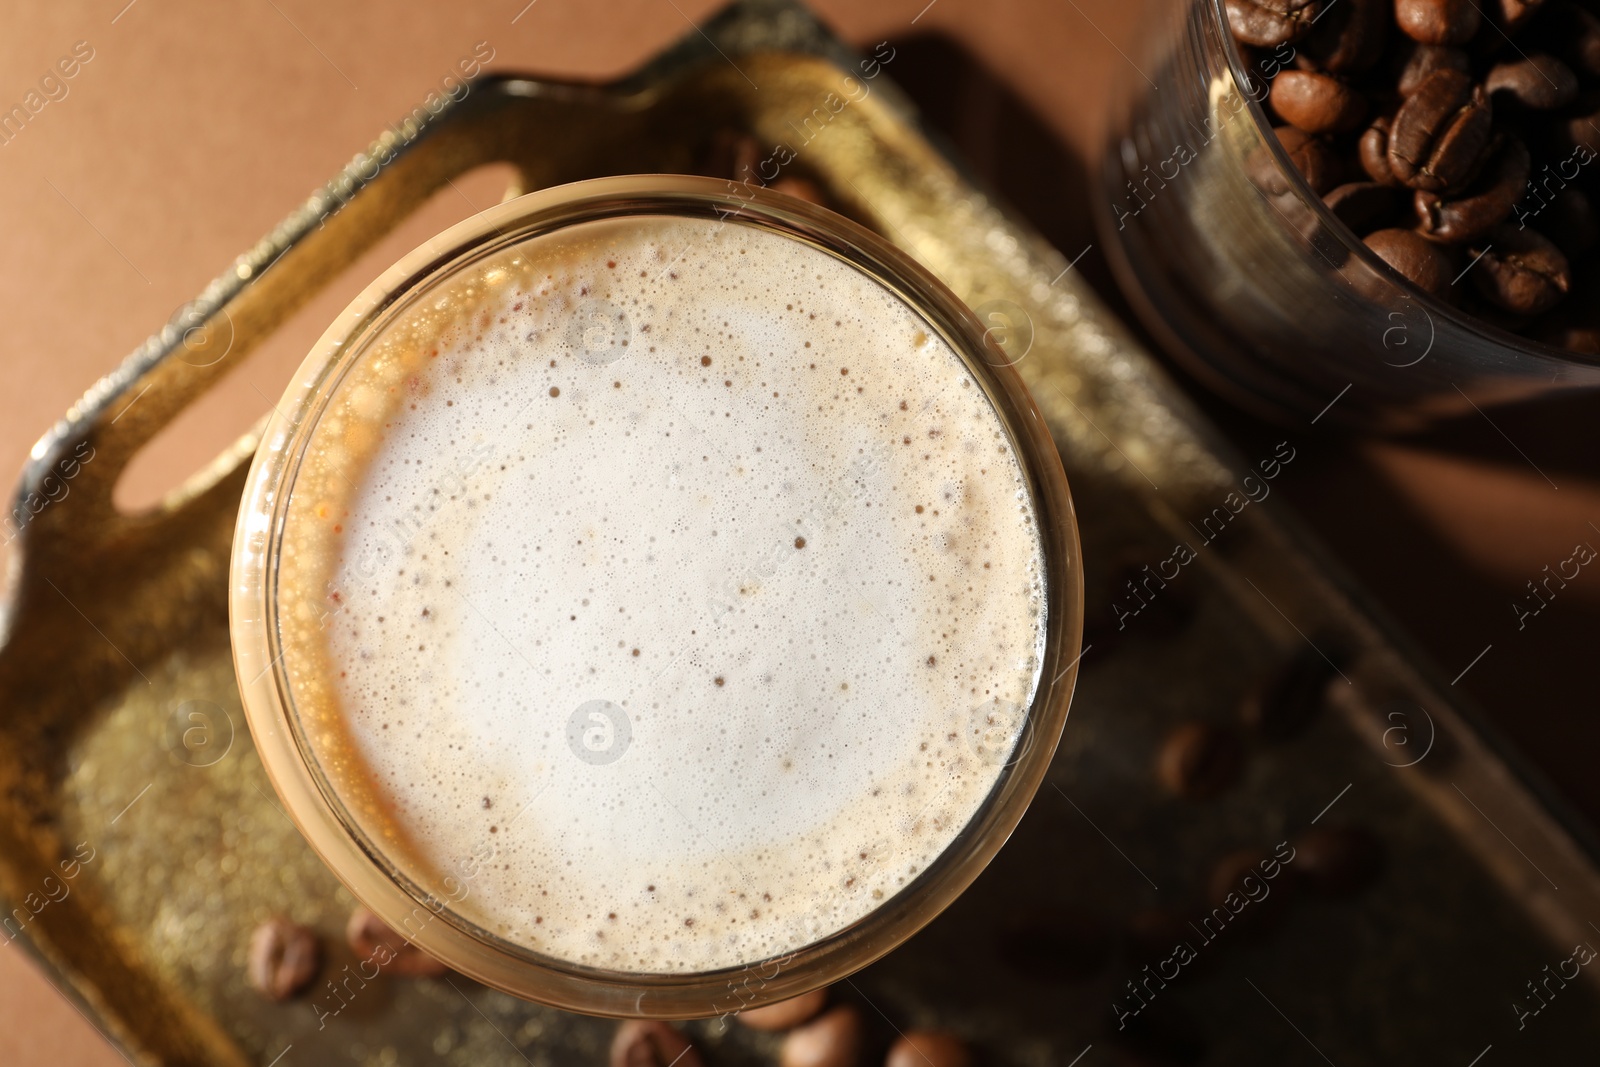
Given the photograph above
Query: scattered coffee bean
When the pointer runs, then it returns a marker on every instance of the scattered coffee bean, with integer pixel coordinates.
(1289, 698)
(1269, 23)
(1337, 861)
(928, 1048)
(1421, 262)
(370, 938)
(1317, 103)
(1054, 949)
(785, 1013)
(1483, 205)
(1437, 21)
(284, 957)
(1422, 60)
(1364, 206)
(1440, 132)
(1347, 38)
(651, 1043)
(1312, 157)
(1537, 82)
(1199, 760)
(1521, 271)
(831, 1040)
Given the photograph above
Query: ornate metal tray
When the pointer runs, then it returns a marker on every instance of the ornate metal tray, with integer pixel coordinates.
(140, 842)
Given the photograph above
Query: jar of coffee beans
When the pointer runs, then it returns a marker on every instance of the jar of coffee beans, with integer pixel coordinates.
(1378, 212)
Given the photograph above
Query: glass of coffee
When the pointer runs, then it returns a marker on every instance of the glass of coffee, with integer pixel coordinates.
(656, 600)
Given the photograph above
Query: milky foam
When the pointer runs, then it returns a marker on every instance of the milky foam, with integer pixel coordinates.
(680, 569)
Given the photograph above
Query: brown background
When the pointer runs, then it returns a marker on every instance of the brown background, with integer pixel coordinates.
(196, 126)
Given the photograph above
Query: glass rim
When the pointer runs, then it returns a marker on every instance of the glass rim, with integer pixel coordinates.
(338, 838)
(1242, 75)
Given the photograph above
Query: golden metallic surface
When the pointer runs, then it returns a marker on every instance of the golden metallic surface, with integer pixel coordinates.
(124, 758)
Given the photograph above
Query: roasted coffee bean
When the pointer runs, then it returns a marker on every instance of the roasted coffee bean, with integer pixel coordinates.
(1537, 82)
(284, 957)
(1312, 157)
(1440, 132)
(832, 1040)
(1415, 258)
(1199, 760)
(650, 1043)
(1374, 151)
(370, 938)
(1364, 206)
(1053, 949)
(1422, 60)
(1521, 271)
(1569, 219)
(785, 1013)
(1486, 203)
(1337, 861)
(1348, 37)
(1437, 21)
(1287, 699)
(1269, 23)
(928, 1048)
(1317, 103)
(1514, 13)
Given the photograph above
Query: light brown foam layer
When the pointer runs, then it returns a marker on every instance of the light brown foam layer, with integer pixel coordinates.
(678, 571)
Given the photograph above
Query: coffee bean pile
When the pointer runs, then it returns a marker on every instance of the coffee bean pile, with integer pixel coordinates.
(1455, 137)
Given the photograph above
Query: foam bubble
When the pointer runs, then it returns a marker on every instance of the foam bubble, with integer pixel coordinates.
(674, 571)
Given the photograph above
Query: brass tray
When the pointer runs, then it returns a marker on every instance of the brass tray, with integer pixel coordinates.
(140, 841)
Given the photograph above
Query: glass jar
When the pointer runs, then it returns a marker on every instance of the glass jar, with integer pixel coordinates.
(1248, 280)
(425, 910)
